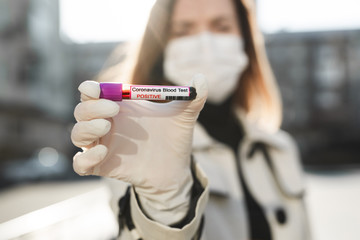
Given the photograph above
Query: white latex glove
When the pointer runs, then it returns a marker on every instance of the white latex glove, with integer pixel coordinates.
(144, 143)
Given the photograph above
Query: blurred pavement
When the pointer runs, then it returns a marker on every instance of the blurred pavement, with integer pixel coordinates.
(333, 200)
(57, 211)
(79, 210)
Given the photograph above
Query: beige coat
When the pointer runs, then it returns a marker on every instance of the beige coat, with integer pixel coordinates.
(277, 184)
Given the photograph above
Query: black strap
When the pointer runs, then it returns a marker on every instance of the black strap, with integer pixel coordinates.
(280, 212)
(196, 192)
(200, 230)
(259, 227)
(124, 217)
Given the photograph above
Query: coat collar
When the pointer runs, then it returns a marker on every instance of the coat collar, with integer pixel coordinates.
(254, 133)
(285, 157)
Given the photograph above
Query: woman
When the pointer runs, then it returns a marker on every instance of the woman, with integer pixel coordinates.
(230, 164)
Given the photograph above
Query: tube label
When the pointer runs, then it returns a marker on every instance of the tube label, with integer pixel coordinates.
(144, 92)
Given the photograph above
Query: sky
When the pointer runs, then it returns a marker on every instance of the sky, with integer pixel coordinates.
(308, 15)
(84, 21)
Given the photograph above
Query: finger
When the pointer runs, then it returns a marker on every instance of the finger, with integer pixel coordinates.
(194, 107)
(84, 162)
(85, 133)
(89, 90)
(94, 109)
(200, 84)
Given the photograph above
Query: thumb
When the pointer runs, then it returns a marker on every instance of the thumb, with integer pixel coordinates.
(200, 84)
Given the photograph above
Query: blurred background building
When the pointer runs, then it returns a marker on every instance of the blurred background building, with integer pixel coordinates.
(39, 75)
(319, 78)
(41, 67)
(40, 70)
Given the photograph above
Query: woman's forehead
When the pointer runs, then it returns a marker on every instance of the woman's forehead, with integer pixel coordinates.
(206, 9)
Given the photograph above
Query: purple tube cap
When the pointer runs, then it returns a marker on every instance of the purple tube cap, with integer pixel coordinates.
(111, 91)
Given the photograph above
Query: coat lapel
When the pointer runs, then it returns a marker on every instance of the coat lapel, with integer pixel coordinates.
(282, 165)
(218, 162)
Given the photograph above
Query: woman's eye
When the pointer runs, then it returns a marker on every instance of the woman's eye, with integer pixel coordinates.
(180, 33)
(224, 28)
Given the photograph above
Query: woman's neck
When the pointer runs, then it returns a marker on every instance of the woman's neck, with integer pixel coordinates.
(221, 124)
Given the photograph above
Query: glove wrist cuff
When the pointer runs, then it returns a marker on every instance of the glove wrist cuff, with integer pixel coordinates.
(170, 206)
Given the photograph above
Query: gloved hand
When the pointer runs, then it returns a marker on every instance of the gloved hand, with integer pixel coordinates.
(144, 143)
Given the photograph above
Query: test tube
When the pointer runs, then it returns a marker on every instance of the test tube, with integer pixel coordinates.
(121, 91)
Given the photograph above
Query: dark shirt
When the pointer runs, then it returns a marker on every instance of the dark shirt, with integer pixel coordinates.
(221, 124)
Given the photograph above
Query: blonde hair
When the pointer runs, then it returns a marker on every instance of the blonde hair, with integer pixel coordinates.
(257, 93)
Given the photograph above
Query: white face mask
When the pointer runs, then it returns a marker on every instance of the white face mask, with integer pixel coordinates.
(220, 57)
